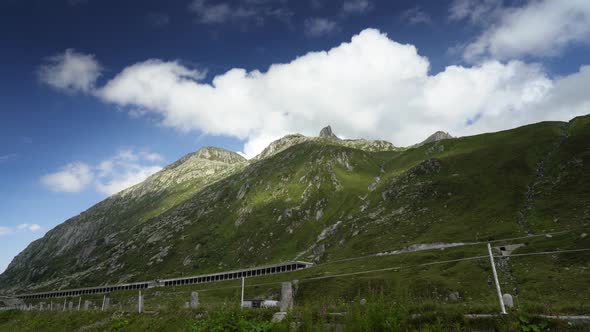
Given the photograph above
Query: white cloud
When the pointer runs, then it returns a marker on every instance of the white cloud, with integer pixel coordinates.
(370, 87)
(5, 230)
(8, 157)
(317, 26)
(9, 230)
(73, 177)
(157, 20)
(211, 12)
(356, 6)
(476, 11)
(124, 180)
(416, 15)
(150, 156)
(71, 71)
(123, 170)
(541, 28)
(30, 227)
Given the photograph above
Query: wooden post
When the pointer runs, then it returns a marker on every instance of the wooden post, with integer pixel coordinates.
(79, 302)
(103, 300)
(140, 302)
(496, 280)
(65, 304)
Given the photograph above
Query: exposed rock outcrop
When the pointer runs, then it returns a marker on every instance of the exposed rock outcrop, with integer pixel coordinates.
(438, 136)
(326, 132)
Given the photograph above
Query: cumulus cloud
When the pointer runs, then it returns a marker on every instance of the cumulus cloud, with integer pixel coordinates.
(127, 168)
(121, 171)
(71, 71)
(73, 177)
(371, 87)
(317, 26)
(541, 28)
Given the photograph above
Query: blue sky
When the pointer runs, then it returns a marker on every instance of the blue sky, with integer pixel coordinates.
(97, 95)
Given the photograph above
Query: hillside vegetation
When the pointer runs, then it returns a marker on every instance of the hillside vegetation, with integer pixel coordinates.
(324, 200)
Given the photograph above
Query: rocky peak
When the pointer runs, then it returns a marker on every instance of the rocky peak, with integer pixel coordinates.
(326, 132)
(438, 136)
(219, 154)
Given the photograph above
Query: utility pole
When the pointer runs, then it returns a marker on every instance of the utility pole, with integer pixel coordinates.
(496, 280)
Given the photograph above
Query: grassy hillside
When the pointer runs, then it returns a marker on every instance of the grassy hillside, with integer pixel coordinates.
(323, 201)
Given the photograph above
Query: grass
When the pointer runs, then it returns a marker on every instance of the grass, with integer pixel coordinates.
(373, 313)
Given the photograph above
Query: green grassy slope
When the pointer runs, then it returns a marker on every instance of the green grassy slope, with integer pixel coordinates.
(321, 202)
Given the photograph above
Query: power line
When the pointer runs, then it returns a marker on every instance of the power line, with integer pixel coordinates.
(451, 245)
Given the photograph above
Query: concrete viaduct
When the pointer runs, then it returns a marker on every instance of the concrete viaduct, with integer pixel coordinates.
(199, 279)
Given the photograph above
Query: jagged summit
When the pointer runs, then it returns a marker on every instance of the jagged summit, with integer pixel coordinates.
(437, 136)
(211, 153)
(326, 132)
(219, 154)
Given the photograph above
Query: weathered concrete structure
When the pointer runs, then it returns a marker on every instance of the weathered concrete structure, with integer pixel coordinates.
(286, 296)
(199, 279)
(87, 305)
(194, 300)
(508, 301)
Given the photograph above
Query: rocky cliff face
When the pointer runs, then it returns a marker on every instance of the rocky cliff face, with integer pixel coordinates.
(317, 199)
(326, 132)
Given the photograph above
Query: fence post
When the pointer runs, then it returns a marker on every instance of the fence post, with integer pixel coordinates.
(496, 279)
(65, 304)
(79, 302)
(242, 303)
(103, 299)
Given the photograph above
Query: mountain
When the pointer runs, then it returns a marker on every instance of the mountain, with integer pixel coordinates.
(437, 136)
(319, 199)
(326, 132)
(326, 136)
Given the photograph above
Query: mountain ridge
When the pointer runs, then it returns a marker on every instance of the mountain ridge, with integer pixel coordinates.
(315, 200)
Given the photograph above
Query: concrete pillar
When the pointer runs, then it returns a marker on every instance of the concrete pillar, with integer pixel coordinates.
(508, 301)
(286, 296)
(194, 300)
(140, 303)
(105, 303)
(87, 305)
